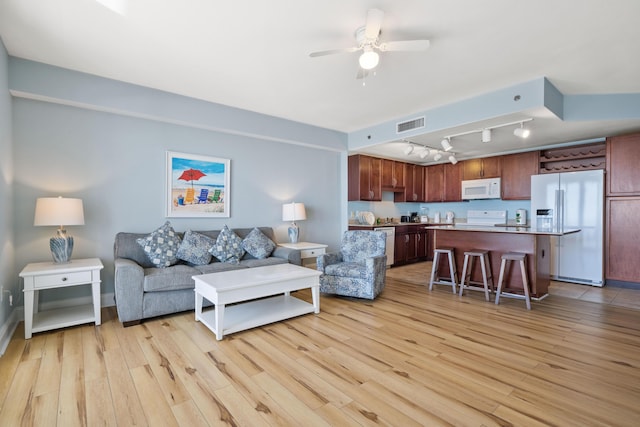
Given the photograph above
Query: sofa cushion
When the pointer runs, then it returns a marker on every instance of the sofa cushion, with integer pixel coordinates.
(228, 247)
(257, 244)
(161, 246)
(216, 267)
(194, 248)
(169, 279)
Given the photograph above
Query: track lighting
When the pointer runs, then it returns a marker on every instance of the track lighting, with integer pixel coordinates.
(522, 132)
(408, 150)
(437, 157)
(486, 135)
(446, 144)
(369, 58)
(425, 153)
(453, 159)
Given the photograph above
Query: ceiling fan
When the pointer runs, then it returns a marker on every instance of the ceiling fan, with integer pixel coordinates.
(368, 41)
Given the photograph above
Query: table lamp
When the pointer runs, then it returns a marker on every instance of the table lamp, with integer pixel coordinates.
(293, 212)
(59, 211)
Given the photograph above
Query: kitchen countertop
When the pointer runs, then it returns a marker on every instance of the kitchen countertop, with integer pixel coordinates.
(500, 229)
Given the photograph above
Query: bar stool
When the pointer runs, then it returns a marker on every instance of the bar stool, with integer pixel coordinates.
(521, 258)
(452, 269)
(469, 257)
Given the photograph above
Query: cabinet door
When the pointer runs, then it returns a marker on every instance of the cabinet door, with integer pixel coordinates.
(623, 173)
(412, 248)
(472, 169)
(365, 177)
(400, 248)
(434, 191)
(488, 167)
(418, 184)
(452, 182)
(392, 175)
(622, 237)
(408, 194)
(422, 243)
(516, 175)
(491, 167)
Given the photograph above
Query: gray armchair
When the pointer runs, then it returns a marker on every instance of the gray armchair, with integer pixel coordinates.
(359, 269)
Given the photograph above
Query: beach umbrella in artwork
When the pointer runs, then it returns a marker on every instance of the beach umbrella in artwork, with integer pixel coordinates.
(191, 175)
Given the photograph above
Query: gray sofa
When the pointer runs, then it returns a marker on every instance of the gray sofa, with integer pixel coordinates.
(143, 291)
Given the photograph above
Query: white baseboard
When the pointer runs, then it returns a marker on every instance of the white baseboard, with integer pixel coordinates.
(17, 315)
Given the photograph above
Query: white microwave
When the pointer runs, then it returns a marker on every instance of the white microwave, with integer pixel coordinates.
(481, 189)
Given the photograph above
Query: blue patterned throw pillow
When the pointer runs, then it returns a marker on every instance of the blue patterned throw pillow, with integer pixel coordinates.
(194, 248)
(257, 244)
(228, 247)
(161, 246)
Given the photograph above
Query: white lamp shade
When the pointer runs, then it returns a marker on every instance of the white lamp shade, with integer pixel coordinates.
(58, 211)
(293, 212)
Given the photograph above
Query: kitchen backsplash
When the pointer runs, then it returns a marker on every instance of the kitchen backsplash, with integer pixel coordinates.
(387, 208)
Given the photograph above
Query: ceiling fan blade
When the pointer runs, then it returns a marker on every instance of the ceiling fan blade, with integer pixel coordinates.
(334, 51)
(374, 22)
(404, 45)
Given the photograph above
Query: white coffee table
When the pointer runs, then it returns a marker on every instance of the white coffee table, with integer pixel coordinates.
(248, 287)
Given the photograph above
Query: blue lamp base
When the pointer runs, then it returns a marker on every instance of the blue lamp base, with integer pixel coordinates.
(61, 247)
(294, 232)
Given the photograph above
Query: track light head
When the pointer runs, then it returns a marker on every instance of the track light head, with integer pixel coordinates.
(486, 135)
(437, 156)
(522, 132)
(453, 159)
(408, 150)
(425, 153)
(446, 144)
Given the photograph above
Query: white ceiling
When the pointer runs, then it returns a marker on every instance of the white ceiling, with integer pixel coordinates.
(254, 55)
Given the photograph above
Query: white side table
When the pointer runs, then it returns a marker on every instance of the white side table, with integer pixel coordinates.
(48, 275)
(307, 250)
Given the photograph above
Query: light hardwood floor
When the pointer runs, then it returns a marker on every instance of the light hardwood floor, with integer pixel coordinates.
(411, 357)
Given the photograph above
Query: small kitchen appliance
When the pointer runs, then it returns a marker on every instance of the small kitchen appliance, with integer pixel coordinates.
(449, 217)
(521, 217)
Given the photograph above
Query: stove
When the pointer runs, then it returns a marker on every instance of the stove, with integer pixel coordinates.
(486, 218)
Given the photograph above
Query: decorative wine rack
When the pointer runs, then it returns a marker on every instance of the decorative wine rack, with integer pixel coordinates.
(574, 158)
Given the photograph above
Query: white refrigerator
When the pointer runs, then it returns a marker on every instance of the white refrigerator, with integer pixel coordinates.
(572, 200)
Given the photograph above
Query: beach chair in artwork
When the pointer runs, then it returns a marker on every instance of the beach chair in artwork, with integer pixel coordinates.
(204, 193)
(189, 197)
(216, 196)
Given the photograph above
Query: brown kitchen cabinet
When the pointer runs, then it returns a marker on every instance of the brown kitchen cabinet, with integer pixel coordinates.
(365, 178)
(622, 237)
(623, 165)
(443, 183)
(392, 175)
(517, 170)
(489, 167)
(413, 184)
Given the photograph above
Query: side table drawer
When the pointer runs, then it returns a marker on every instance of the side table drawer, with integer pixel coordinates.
(311, 253)
(62, 279)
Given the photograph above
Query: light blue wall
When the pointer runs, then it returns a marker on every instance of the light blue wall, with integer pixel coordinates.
(7, 269)
(108, 148)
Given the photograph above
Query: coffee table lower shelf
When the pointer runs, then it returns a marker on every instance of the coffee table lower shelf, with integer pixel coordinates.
(251, 314)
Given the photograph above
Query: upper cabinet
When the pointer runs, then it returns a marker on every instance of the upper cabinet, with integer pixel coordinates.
(392, 175)
(489, 167)
(623, 168)
(413, 184)
(516, 175)
(444, 183)
(365, 178)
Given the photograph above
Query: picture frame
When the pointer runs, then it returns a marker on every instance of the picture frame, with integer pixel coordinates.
(197, 186)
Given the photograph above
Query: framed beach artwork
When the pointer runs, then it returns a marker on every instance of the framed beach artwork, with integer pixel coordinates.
(197, 186)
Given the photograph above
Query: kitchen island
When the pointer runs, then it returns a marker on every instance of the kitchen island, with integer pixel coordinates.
(497, 240)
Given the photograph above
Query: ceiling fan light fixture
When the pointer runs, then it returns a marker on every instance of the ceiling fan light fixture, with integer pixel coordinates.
(522, 132)
(369, 58)
(446, 144)
(486, 135)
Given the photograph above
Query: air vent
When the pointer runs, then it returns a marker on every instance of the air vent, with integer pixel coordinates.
(410, 125)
